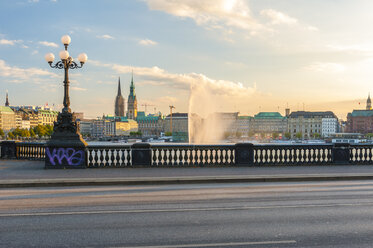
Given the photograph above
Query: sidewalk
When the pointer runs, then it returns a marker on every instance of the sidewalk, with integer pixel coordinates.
(24, 173)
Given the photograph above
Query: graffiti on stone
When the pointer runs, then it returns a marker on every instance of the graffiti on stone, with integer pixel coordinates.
(71, 156)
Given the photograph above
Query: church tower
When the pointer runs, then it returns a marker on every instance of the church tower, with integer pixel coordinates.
(369, 103)
(7, 100)
(119, 102)
(132, 102)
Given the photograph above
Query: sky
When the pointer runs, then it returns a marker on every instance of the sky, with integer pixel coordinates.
(252, 55)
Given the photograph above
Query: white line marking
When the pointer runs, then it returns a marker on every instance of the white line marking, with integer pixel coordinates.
(216, 244)
(181, 210)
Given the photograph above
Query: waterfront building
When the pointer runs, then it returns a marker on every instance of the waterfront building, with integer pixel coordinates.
(132, 102)
(268, 123)
(149, 125)
(47, 117)
(243, 124)
(179, 125)
(7, 119)
(329, 126)
(361, 121)
(119, 102)
(306, 124)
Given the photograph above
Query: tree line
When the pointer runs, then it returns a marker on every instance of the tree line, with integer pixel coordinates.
(39, 131)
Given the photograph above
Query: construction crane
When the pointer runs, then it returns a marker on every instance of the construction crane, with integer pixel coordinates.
(171, 107)
(146, 105)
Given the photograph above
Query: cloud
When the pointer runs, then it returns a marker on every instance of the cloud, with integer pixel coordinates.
(9, 42)
(277, 17)
(209, 13)
(147, 42)
(325, 67)
(105, 37)
(77, 88)
(184, 82)
(23, 75)
(48, 44)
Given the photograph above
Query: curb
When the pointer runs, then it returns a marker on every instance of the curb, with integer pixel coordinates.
(65, 182)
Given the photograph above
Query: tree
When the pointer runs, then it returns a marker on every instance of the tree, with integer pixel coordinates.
(316, 135)
(238, 134)
(10, 135)
(32, 133)
(168, 134)
(275, 135)
(287, 135)
(298, 135)
(2, 134)
(369, 135)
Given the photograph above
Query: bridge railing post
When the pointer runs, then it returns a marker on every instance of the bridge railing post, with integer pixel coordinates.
(141, 154)
(9, 149)
(244, 154)
(341, 153)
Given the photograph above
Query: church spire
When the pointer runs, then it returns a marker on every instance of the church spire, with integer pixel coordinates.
(369, 103)
(7, 100)
(119, 89)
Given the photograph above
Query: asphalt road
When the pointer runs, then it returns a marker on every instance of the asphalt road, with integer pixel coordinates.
(324, 214)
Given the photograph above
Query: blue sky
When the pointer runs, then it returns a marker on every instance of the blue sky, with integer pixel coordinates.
(248, 55)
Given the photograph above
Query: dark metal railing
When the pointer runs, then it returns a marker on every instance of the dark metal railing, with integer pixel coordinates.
(174, 155)
(32, 151)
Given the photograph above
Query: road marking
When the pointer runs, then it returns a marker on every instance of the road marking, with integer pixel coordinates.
(181, 210)
(216, 244)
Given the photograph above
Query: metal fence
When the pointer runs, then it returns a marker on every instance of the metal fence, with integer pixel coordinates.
(178, 155)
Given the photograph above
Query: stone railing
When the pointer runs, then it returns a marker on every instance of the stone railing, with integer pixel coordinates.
(178, 155)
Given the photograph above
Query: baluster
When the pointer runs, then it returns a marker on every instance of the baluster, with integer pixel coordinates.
(161, 160)
(155, 156)
(102, 157)
(96, 164)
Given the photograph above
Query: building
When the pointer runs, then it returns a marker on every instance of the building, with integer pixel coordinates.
(306, 124)
(132, 102)
(268, 123)
(361, 121)
(179, 123)
(86, 127)
(7, 119)
(243, 125)
(47, 117)
(329, 126)
(149, 125)
(119, 102)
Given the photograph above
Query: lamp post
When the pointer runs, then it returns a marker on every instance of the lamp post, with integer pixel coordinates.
(66, 148)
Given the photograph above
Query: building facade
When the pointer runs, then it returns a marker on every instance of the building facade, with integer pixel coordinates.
(268, 123)
(132, 102)
(7, 119)
(119, 102)
(307, 125)
(150, 125)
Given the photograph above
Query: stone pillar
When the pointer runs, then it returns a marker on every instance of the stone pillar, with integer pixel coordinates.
(8, 149)
(141, 154)
(244, 154)
(341, 153)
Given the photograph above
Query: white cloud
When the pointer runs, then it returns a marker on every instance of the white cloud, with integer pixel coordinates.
(9, 42)
(277, 17)
(77, 88)
(20, 74)
(147, 42)
(48, 44)
(209, 13)
(325, 67)
(105, 37)
(157, 76)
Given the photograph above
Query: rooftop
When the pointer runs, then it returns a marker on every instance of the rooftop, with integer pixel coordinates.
(268, 115)
(361, 113)
(5, 109)
(309, 114)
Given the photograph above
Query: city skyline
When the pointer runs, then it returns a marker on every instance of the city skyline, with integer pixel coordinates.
(253, 55)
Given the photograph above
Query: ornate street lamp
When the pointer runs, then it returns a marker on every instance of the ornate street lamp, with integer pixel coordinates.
(66, 141)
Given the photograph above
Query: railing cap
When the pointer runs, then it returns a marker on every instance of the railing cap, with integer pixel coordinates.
(141, 145)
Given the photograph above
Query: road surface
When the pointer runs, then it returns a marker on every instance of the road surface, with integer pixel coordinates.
(319, 214)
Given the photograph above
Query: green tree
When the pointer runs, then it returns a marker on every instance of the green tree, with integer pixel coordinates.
(287, 135)
(369, 135)
(2, 134)
(10, 135)
(316, 135)
(49, 130)
(275, 135)
(32, 133)
(168, 134)
(298, 135)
